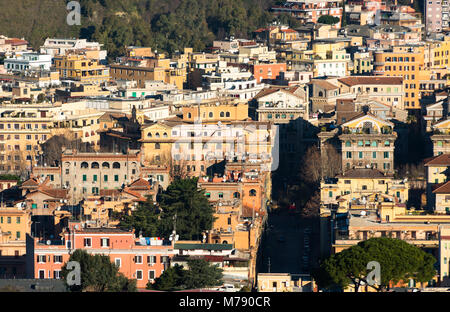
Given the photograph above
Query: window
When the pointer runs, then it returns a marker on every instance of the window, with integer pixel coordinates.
(138, 259)
(139, 274)
(360, 154)
(252, 192)
(386, 154)
(18, 220)
(94, 178)
(41, 259)
(84, 178)
(151, 260)
(9, 220)
(87, 242)
(349, 154)
(330, 194)
(57, 259)
(105, 178)
(18, 235)
(374, 155)
(348, 143)
(118, 262)
(57, 274)
(104, 242)
(151, 275)
(41, 274)
(116, 178)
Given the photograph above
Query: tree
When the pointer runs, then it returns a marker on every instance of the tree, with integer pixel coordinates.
(399, 262)
(186, 205)
(144, 219)
(311, 171)
(312, 206)
(171, 279)
(200, 274)
(183, 205)
(98, 274)
(328, 19)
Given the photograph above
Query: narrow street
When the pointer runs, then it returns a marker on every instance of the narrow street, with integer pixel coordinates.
(290, 245)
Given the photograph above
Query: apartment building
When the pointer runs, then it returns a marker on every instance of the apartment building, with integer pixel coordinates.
(231, 81)
(28, 61)
(60, 47)
(386, 90)
(363, 188)
(81, 68)
(136, 258)
(368, 141)
(310, 10)
(406, 62)
(436, 15)
(196, 147)
(15, 223)
(21, 132)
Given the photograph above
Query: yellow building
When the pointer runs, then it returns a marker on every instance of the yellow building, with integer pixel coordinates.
(194, 147)
(363, 189)
(275, 282)
(81, 68)
(15, 224)
(211, 112)
(20, 135)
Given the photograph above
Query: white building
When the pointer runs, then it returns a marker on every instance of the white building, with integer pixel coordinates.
(29, 61)
(54, 46)
(232, 81)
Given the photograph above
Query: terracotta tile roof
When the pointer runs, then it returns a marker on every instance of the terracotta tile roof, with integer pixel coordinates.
(324, 84)
(140, 183)
(31, 182)
(371, 80)
(443, 188)
(112, 192)
(362, 173)
(441, 160)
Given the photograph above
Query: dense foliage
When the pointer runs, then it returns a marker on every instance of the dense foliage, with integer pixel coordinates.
(199, 274)
(399, 261)
(183, 205)
(98, 274)
(166, 25)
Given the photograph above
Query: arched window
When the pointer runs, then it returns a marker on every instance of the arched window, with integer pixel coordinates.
(211, 115)
(157, 134)
(157, 146)
(95, 165)
(222, 114)
(348, 143)
(252, 192)
(105, 165)
(149, 135)
(189, 115)
(165, 135)
(236, 195)
(224, 242)
(86, 134)
(320, 93)
(84, 165)
(116, 165)
(227, 114)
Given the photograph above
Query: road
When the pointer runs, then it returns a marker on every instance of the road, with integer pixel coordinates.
(290, 245)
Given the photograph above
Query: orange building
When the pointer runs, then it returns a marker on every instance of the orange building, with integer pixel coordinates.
(135, 258)
(267, 71)
(406, 62)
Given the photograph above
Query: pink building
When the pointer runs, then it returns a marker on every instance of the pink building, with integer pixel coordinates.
(136, 258)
